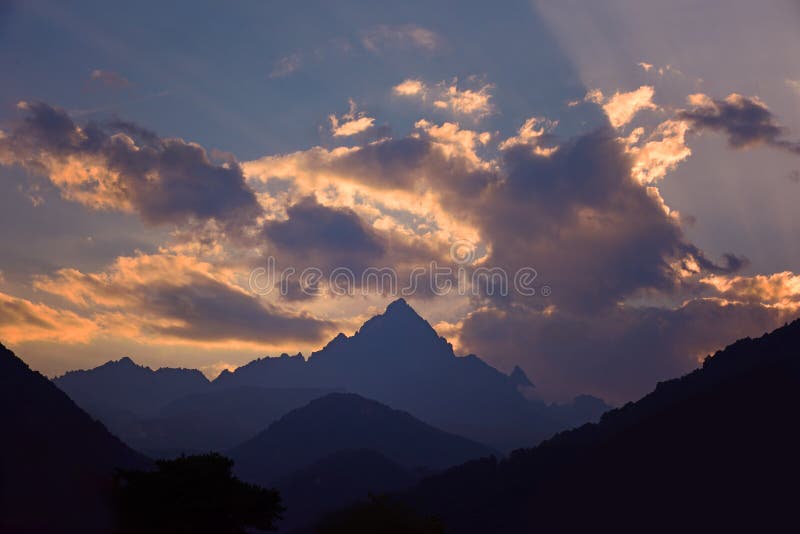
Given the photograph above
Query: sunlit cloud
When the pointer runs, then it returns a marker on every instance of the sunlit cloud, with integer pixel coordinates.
(475, 102)
(23, 321)
(411, 87)
(660, 152)
(123, 167)
(781, 290)
(621, 107)
(531, 133)
(351, 123)
(178, 299)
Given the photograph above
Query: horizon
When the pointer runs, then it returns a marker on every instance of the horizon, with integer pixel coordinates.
(601, 195)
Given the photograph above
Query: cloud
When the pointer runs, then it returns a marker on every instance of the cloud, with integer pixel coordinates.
(351, 123)
(23, 321)
(558, 210)
(619, 355)
(324, 237)
(620, 108)
(597, 234)
(779, 290)
(109, 78)
(745, 121)
(660, 152)
(411, 87)
(376, 40)
(475, 102)
(170, 298)
(532, 132)
(794, 85)
(286, 65)
(121, 166)
(581, 206)
(381, 37)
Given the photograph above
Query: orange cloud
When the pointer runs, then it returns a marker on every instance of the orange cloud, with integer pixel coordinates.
(779, 290)
(351, 123)
(179, 299)
(620, 108)
(447, 96)
(22, 320)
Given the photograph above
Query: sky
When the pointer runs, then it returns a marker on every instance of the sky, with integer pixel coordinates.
(608, 188)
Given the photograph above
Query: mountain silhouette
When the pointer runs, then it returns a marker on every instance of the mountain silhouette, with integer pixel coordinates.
(345, 421)
(715, 450)
(122, 386)
(56, 462)
(398, 359)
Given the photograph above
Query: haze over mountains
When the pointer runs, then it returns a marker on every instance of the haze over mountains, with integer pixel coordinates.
(396, 358)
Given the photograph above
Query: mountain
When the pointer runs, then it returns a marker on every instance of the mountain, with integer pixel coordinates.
(713, 451)
(123, 387)
(398, 359)
(168, 412)
(338, 480)
(345, 421)
(215, 420)
(56, 462)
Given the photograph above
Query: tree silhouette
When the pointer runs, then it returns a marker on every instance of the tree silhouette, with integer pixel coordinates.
(193, 494)
(379, 514)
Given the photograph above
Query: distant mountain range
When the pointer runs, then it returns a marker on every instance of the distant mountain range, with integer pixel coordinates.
(124, 386)
(713, 451)
(395, 358)
(56, 462)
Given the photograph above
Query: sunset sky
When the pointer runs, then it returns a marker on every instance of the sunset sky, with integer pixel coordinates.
(642, 157)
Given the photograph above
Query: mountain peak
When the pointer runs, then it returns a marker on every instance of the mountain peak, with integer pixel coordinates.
(399, 319)
(399, 307)
(126, 361)
(519, 378)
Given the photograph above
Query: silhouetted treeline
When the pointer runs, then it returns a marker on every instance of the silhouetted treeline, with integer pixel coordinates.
(379, 515)
(192, 495)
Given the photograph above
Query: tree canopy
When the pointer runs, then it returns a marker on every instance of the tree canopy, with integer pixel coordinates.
(193, 494)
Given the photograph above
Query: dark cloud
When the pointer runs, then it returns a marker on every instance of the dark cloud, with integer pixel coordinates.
(618, 355)
(745, 121)
(119, 165)
(327, 237)
(390, 164)
(577, 216)
(211, 311)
